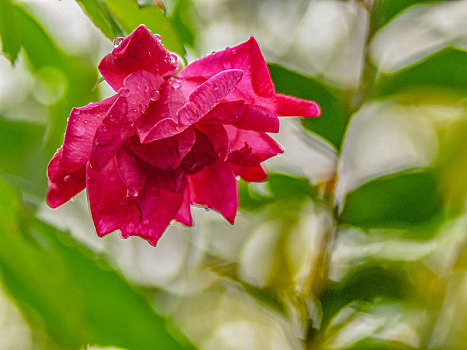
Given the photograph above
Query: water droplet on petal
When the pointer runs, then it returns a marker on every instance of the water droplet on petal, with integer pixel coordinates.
(85, 122)
(234, 52)
(72, 199)
(216, 88)
(158, 37)
(118, 41)
(173, 222)
(237, 177)
(176, 84)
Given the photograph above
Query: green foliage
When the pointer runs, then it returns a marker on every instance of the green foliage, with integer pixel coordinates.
(19, 142)
(394, 200)
(365, 283)
(101, 16)
(443, 71)
(284, 189)
(130, 15)
(386, 10)
(76, 298)
(332, 123)
(62, 287)
(182, 18)
(9, 31)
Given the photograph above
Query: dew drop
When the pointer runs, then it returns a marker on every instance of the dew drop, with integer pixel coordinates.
(118, 41)
(176, 84)
(66, 178)
(85, 122)
(158, 37)
(237, 177)
(216, 88)
(234, 52)
(72, 199)
(173, 222)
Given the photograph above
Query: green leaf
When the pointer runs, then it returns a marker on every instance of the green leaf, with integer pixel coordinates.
(19, 142)
(101, 16)
(182, 18)
(443, 71)
(396, 200)
(285, 187)
(374, 344)
(385, 10)
(334, 116)
(130, 15)
(366, 283)
(64, 289)
(9, 31)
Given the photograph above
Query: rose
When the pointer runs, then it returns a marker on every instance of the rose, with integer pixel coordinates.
(169, 140)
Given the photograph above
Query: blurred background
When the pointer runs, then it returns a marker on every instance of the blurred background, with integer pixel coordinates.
(357, 240)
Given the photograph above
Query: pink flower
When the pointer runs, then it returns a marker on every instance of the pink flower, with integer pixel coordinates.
(167, 140)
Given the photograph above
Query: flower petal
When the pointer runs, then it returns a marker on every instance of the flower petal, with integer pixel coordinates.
(292, 106)
(63, 184)
(247, 57)
(215, 187)
(80, 132)
(161, 120)
(139, 51)
(106, 193)
(251, 173)
(130, 171)
(208, 95)
(249, 147)
(224, 113)
(184, 212)
(165, 153)
(141, 88)
(218, 138)
(258, 118)
(155, 197)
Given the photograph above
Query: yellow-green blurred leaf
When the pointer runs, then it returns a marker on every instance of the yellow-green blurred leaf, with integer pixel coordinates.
(68, 291)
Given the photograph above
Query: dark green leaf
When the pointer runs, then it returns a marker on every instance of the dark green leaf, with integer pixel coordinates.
(445, 70)
(366, 283)
(9, 31)
(182, 18)
(334, 116)
(64, 289)
(101, 16)
(130, 15)
(396, 200)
